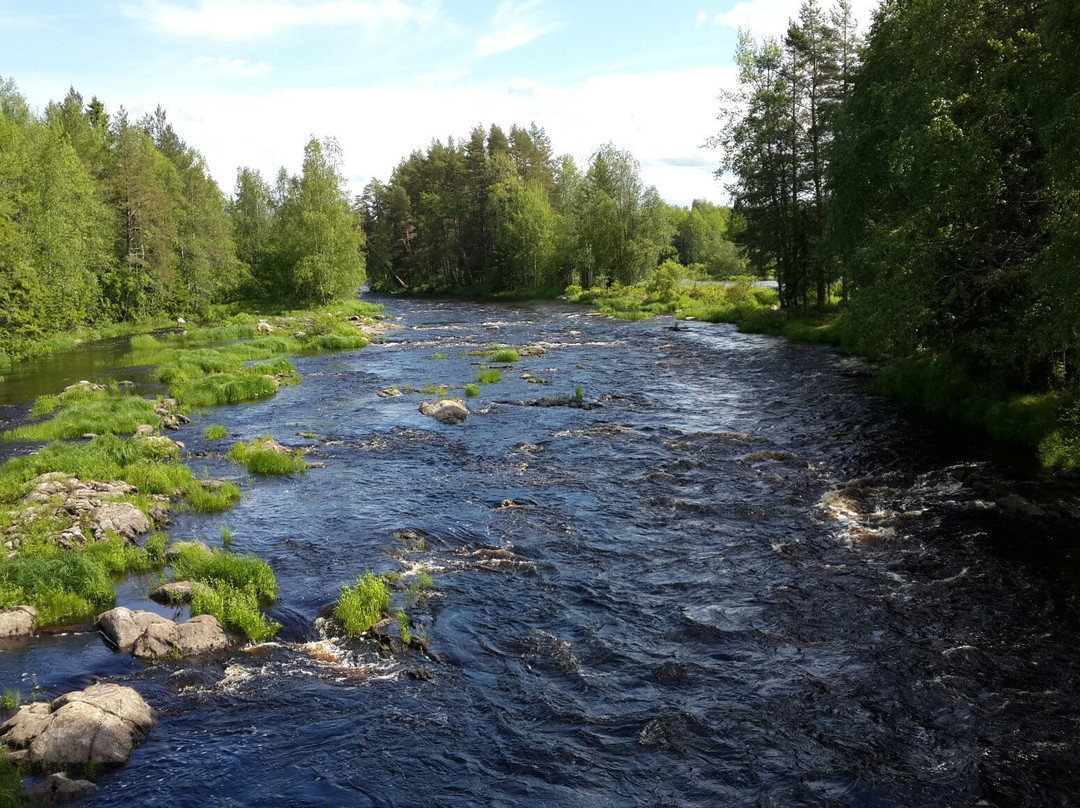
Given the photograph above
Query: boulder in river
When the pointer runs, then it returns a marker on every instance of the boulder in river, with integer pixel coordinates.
(59, 789)
(173, 593)
(150, 636)
(17, 622)
(99, 726)
(447, 411)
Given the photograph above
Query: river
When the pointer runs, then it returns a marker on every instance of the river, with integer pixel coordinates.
(741, 580)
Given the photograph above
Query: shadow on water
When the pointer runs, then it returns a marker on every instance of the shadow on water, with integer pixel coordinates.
(740, 581)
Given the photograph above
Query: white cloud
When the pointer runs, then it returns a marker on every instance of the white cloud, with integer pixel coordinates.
(702, 18)
(232, 130)
(514, 25)
(770, 17)
(249, 19)
(222, 65)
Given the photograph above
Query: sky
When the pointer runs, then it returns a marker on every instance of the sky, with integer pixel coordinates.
(248, 82)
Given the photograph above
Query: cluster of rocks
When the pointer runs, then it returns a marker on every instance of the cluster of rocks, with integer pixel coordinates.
(1009, 501)
(171, 418)
(98, 726)
(150, 636)
(84, 508)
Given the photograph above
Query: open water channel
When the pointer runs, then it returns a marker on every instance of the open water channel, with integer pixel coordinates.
(742, 580)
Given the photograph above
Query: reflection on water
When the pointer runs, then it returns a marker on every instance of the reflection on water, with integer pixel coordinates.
(741, 581)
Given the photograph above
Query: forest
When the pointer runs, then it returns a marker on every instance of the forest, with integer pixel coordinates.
(914, 192)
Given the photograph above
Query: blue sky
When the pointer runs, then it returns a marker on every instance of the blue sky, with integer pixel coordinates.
(248, 82)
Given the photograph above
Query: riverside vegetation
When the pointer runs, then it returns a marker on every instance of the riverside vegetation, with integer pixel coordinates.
(65, 566)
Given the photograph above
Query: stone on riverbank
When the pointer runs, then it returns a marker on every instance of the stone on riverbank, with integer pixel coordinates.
(99, 726)
(447, 411)
(17, 622)
(121, 518)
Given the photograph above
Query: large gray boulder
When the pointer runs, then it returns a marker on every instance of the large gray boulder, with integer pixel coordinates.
(447, 411)
(100, 726)
(199, 635)
(150, 636)
(122, 626)
(121, 518)
(17, 622)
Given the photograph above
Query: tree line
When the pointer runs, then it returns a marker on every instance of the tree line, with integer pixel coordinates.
(927, 176)
(104, 219)
(494, 212)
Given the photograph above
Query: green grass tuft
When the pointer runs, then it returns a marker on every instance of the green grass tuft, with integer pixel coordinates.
(193, 563)
(362, 605)
(236, 608)
(261, 460)
(215, 432)
(489, 377)
(506, 355)
(101, 414)
(472, 390)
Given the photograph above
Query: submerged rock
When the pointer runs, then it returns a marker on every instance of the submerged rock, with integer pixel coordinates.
(100, 726)
(59, 789)
(447, 411)
(17, 622)
(173, 593)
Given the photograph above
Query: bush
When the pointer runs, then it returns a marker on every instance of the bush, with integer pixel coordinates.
(362, 605)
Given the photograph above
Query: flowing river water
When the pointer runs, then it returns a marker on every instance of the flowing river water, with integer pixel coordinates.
(741, 580)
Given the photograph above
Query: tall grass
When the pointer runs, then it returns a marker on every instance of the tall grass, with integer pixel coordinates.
(260, 460)
(363, 604)
(110, 414)
(489, 377)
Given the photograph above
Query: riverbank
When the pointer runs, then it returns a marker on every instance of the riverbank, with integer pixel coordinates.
(1044, 423)
(92, 506)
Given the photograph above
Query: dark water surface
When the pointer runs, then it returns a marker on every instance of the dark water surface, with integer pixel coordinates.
(741, 581)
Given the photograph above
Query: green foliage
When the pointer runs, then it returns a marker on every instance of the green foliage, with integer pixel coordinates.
(403, 626)
(237, 608)
(216, 432)
(12, 785)
(362, 605)
(218, 567)
(97, 414)
(489, 377)
(60, 584)
(267, 461)
(472, 390)
(249, 384)
(505, 355)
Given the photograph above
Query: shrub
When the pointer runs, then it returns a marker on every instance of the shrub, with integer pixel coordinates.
(362, 605)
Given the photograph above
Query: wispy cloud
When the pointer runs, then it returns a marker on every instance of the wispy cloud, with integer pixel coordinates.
(514, 25)
(249, 19)
(702, 18)
(224, 66)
